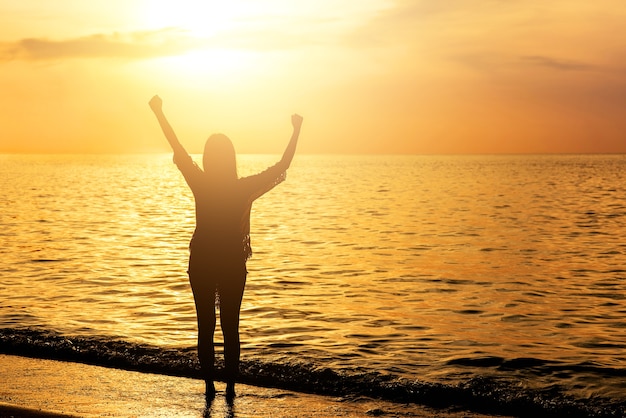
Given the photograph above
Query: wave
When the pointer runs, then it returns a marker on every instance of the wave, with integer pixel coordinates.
(538, 366)
(482, 394)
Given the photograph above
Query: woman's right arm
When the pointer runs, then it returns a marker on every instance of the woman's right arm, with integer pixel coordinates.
(156, 104)
(266, 180)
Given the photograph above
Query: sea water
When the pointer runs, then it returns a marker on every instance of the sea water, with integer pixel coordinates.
(446, 271)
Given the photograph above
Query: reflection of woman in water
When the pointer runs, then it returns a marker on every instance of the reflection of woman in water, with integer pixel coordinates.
(220, 244)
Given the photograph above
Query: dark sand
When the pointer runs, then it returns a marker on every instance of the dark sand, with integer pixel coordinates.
(46, 388)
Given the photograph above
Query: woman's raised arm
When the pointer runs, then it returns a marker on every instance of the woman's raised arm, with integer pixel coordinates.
(156, 104)
(296, 122)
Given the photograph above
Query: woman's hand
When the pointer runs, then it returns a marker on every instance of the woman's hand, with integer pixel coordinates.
(156, 104)
(296, 121)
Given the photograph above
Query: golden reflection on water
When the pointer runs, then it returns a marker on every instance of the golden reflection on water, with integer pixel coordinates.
(399, 262)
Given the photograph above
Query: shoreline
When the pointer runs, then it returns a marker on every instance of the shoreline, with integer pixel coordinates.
(9, 410)
(50, 388)
(150, 366)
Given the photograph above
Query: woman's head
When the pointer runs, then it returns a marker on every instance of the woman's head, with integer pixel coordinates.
(219, 160)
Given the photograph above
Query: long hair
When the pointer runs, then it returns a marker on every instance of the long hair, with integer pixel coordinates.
(219, 161)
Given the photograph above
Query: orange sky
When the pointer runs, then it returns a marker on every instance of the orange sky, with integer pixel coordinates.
(369, 76)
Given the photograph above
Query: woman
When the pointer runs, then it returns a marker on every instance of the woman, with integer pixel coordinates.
(220, 244)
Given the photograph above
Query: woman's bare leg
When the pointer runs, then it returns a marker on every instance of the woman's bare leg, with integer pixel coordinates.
(204, 297)
(230, 304)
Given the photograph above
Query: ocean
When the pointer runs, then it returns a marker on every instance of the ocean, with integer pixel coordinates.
(494, 283)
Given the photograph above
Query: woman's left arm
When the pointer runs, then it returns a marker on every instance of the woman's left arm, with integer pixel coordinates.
(285, 161)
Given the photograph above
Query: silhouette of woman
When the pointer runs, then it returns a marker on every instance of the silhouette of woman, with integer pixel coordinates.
(220, 245)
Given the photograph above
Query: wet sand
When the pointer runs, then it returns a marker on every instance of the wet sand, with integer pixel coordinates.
(47, 388)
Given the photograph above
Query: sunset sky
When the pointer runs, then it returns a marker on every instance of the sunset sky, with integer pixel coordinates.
(369, 76)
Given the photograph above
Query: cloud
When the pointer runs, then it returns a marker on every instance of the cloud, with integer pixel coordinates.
(136, 45)
(421, 21)
(156, 43)
(557, 64)
(497, 62)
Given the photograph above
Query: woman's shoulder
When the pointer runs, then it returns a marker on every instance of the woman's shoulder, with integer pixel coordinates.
(260, 183)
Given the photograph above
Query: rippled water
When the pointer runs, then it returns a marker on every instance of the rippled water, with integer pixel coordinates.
(438, 268)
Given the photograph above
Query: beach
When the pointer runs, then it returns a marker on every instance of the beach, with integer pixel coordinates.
(49, 388)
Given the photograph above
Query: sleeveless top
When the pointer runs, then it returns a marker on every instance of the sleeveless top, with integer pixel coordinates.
(223, 210)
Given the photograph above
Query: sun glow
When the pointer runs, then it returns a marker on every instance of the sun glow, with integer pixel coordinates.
(200, 18)
(209, 62)
(218, 39)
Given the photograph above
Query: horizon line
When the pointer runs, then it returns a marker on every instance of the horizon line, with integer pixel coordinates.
(324, 153)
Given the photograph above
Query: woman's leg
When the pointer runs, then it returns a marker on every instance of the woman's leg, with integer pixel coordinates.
(205, 312)
(204, 296)
(231, 294)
